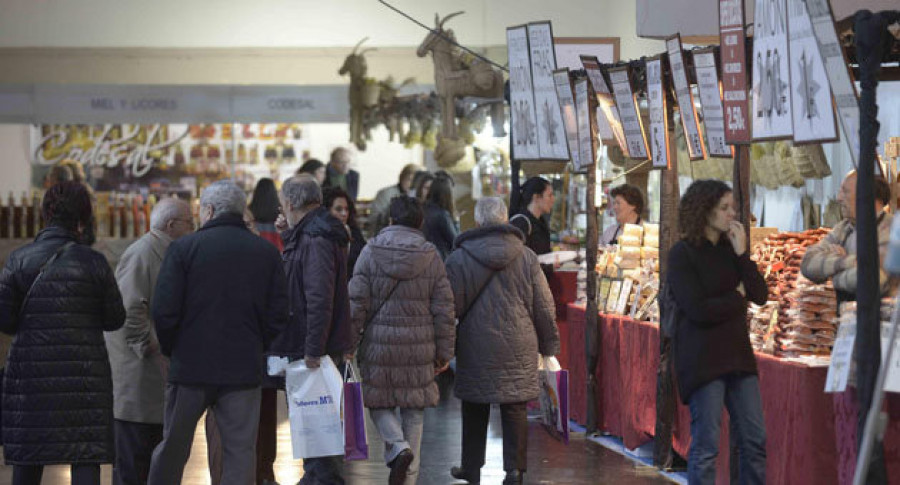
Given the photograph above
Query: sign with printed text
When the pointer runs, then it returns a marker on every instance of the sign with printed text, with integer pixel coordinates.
(551, 132)
(772, 111)
(567, 107)
(523, 119)
(586, 149)
(842, 87)
(734, 71)
(631, 118)
(814, 119)
(693, 136)
(841, 358)
(609, 126)
(710, 101)
(659, 120)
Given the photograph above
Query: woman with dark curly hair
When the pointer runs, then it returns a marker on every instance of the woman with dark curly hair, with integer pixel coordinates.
(711, 278)
(341, 206)
(58, 296)
(628, 204)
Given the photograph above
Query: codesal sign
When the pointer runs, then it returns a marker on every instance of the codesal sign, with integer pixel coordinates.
(734, 71)
(107, 149)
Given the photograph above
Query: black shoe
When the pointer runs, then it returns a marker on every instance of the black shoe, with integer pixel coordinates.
(460, 473)
(400, 466)
(514, 477)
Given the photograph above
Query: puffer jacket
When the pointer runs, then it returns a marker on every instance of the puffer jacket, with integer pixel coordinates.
(412, 329)
(315, 261)
(57, 391)
(499, 339)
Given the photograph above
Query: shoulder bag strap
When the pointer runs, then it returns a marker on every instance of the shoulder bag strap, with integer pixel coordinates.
(523, 216)
(62, 249)
(465, 313)
(378, 309)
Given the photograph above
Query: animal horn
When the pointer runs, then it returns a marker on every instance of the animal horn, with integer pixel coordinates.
(359, 44)
(454, 14)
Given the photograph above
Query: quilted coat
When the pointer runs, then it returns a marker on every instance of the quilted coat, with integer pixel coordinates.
(498, 340)
(412, 329)
(57, 392)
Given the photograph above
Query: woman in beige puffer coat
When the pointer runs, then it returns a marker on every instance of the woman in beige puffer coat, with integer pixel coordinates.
(401, 303)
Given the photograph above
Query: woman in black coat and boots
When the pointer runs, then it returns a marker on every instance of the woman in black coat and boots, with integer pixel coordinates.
(712, 278)
(58, 296)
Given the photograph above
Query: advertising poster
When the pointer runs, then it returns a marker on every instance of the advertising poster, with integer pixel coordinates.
(710, 101)
(523, 120)
(551, 132)
(696, 150)
(813, 113)
(656, 102)
(631, 118)
(772, 117)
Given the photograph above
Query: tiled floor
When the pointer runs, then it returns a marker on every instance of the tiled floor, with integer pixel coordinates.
(550, 462)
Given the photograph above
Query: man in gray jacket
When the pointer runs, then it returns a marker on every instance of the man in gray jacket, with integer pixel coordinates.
(138, 367)
(506, 316)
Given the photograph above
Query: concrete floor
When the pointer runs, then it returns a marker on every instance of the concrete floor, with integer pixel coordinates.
(549, 461)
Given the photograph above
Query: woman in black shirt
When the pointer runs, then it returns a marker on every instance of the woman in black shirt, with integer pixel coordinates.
(536, 201)
(711, 278)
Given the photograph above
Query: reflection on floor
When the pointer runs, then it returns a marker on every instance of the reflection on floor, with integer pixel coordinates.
(549, 461)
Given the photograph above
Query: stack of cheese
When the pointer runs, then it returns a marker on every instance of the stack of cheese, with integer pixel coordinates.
(808, 324)
(650, 249)
(628, 256)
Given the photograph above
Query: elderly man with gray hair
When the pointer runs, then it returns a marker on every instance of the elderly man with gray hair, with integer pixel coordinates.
(506, 316)
(220, 301)
(315, 261)
(138, 367)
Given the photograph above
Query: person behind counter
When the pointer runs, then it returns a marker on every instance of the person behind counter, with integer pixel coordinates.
(628, 205)
(711, 278)
(835, 256)
(537, 201)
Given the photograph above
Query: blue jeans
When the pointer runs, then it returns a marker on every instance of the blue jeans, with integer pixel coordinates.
(740, 394)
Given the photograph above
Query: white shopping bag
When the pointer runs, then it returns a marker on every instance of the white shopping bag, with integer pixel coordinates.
(314, 409)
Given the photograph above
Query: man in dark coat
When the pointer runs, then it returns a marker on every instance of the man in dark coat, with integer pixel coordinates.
(315, 261)
(506, 317)
(57, 392)
(220, 300)
(339, 174)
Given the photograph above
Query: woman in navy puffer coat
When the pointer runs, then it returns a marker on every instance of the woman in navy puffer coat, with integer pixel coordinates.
(57, 391)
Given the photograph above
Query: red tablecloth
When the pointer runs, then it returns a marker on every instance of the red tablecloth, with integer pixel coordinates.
(801, 420)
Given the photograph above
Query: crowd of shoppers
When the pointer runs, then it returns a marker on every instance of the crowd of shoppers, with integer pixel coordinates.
(184, 325)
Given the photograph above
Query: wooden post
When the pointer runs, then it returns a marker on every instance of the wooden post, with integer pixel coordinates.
(591, 329)
(741, 185)
(668, 236)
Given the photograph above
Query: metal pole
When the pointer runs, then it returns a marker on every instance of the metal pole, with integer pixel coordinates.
(876, 420)
(591, 329)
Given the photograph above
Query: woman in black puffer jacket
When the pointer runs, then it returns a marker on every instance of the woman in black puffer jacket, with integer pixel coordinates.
(57, 391)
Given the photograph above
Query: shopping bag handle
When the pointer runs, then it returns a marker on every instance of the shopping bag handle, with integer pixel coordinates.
(350, 372)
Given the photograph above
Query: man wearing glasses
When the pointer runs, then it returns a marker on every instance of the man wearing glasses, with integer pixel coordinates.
(138, 367)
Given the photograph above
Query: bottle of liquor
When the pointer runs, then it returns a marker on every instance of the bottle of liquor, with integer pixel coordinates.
(17, 217)
(147, 209)
(5, 216)
(113, 216)
(29, 215)
(137, 211)
(38, 213)
(123, 216)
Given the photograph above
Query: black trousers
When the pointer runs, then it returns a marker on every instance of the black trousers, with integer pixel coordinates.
(475, 417)
(88, 474)
(134, 448)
